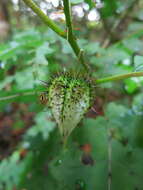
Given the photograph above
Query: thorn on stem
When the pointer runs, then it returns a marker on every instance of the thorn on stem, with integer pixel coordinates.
(93, 109)
(45, 83)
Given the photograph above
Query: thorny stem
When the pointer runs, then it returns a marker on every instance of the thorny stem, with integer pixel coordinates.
(68, 34)
(119, 77)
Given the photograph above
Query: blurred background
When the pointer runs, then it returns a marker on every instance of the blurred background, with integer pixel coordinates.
(106, 143)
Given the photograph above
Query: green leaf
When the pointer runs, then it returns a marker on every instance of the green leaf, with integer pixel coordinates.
(6, 81)
(138, 104)
(138, 63)
(9, 51)
(92, 48)
(133, 44)
(44, 129)
(109, 8)
(131, 86)
(41, 53)
(76, 1)
(91, 3)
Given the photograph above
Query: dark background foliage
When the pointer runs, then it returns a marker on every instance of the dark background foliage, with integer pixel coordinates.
(105, 150)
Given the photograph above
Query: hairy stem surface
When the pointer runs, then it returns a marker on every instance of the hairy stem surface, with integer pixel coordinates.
(119, 77)
(70, 36)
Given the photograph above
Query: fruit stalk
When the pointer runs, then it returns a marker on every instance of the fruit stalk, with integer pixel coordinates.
(119, 77)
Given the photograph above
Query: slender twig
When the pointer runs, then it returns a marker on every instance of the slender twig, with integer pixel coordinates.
(16, 95)
(124, 16)
(98, 81)
(67, 11)
(45, 18)
(111, 35)
(70, 36)
(119, 77)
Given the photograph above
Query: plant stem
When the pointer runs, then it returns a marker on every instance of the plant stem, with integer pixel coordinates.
(119, 77)
(67, 11)
(45, 18)
(98, 81)
(16, 95)
(114, 33)
(70, 36)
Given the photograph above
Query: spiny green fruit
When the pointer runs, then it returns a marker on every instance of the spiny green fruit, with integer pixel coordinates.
(69, 98)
